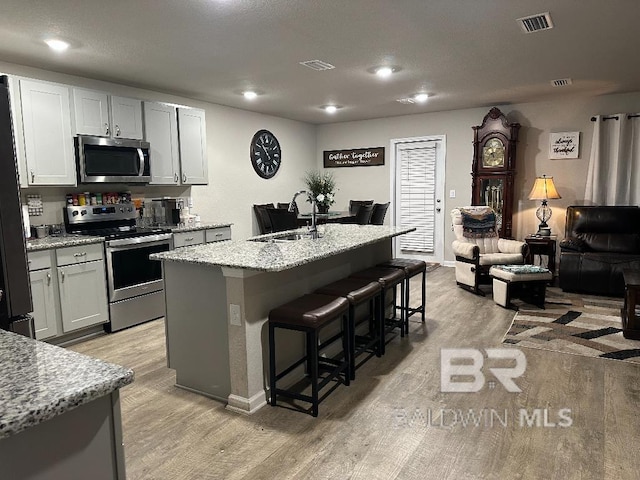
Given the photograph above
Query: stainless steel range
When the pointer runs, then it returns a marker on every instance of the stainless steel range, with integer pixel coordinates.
(136, 290)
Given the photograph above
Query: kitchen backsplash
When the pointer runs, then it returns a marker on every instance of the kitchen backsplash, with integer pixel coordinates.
(54, 199)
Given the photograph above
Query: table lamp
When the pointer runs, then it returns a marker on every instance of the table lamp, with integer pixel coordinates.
(544, 189)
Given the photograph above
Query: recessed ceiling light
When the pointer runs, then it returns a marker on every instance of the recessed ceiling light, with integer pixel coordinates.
(56, 44)
(384, 72)
(421, 97)
(330, 108)
(249, 94)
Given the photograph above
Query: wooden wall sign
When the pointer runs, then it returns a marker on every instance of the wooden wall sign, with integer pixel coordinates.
(357, 157)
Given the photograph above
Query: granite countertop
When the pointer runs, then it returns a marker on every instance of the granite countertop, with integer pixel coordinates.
(275, 256)
(199, 226)
(40, 381)
(61, 241)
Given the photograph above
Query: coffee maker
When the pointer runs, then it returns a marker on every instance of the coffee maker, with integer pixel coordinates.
(166, 211)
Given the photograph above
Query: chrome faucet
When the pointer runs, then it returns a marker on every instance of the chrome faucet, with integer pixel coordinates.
(314, 228)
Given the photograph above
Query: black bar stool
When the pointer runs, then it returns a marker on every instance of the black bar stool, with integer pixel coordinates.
(411, 267)
(359, 291)
(389, 279)
(310, 314)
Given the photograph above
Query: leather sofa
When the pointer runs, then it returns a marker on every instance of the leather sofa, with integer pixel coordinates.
(599, 243)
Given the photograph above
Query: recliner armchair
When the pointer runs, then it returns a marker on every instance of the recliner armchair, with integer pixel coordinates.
(477, 246)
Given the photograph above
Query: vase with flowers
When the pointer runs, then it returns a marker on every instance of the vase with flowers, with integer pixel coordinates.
(321, 187)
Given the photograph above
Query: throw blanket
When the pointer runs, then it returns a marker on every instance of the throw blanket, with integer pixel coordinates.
(478, 223)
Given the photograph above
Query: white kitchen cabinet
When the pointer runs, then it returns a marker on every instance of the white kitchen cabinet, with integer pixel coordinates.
(192, 133)
(161, 131)
(186, 239)
(18, 131)
(83, 295)
(48, 143)
(43, 295)
(198, 237)
(126, 117)
(217, 234)
(103, 115)
(68, 289)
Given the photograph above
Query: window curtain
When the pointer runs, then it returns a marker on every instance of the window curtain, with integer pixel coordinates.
(613, 177)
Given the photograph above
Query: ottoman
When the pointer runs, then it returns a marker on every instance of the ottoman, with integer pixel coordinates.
(527, 282)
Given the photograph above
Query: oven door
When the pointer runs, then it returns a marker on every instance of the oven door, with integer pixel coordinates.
(130, 272)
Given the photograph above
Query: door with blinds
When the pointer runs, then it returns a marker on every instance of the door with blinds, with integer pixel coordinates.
(419, 189)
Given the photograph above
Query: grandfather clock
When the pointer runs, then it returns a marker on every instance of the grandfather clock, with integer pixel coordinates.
(494, 162)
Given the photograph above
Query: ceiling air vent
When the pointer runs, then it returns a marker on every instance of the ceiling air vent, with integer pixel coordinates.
(535, 23)
(561, 82)
(318, 65)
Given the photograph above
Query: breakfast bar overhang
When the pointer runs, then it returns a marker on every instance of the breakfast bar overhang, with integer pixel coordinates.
(219, 295)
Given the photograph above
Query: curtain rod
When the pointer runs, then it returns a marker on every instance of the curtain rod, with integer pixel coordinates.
(593, 119)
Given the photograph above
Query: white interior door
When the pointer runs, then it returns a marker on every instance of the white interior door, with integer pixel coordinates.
(417, 166)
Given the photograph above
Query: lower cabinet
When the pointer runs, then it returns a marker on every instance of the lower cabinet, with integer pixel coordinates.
(68, 289)
(198, 237)
(44, 306)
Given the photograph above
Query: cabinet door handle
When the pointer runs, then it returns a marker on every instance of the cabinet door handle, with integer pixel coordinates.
(106, 129)
(81, 254)
(184, 178)
(218, 234)
(33, 177)
(48, 278)
(62, 276)
(175, 177)
(189, 239)
(117, 131)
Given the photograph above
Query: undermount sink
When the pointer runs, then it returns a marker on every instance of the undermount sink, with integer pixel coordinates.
(288, 237)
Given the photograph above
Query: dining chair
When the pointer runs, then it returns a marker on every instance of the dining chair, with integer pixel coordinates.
(354, 205)
(363, 217)
(379, 212)
(282, 219)
(262, 217)
(286, 205)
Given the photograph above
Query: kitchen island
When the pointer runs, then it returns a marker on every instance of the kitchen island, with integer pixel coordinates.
(59, 412)
(219, 295)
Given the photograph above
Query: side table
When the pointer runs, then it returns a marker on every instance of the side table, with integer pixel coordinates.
(631, 321)
(542, 246)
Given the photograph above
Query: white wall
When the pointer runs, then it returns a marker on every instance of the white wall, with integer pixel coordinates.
(537, 120)
(233, 185)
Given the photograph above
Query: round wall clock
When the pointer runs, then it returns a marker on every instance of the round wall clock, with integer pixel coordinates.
(266, 156)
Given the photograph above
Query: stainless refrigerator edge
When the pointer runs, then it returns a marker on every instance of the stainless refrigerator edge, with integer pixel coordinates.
(15, 290)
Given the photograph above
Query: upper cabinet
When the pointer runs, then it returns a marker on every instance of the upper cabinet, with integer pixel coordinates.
(192, 134)
(161, 131)
(48, 142)
(103, 115)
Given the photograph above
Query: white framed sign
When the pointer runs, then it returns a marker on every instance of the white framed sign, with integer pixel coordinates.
(564, 145)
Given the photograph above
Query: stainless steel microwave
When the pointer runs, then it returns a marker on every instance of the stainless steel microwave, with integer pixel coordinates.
(112, 160)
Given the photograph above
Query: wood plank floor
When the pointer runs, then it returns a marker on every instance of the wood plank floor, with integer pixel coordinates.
(379, 427)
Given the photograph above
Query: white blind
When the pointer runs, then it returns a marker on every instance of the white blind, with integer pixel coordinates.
(417, 196)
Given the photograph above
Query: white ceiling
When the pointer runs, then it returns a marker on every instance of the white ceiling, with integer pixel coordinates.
(465, 53)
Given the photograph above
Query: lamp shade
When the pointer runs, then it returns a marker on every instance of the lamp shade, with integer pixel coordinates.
(544, 189)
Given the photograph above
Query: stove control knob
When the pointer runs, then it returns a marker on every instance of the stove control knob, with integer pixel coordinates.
(130, 209)
(75, 213)
(121, 209)
(83, 212)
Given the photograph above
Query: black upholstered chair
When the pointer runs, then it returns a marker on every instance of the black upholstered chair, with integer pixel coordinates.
(286, 205)
(262, 217)
(379, 212)
(363, 217)
(282, 219)
(354, 205)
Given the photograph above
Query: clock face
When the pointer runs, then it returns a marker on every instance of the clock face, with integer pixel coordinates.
(493, 153)
(265, 154)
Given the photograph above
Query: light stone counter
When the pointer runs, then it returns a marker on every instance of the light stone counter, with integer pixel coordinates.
(282, 255)
(219, 295)
(61, 242)
(59, 412)
(199, 226)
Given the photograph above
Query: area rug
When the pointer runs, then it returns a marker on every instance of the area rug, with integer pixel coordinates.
(577, 324)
